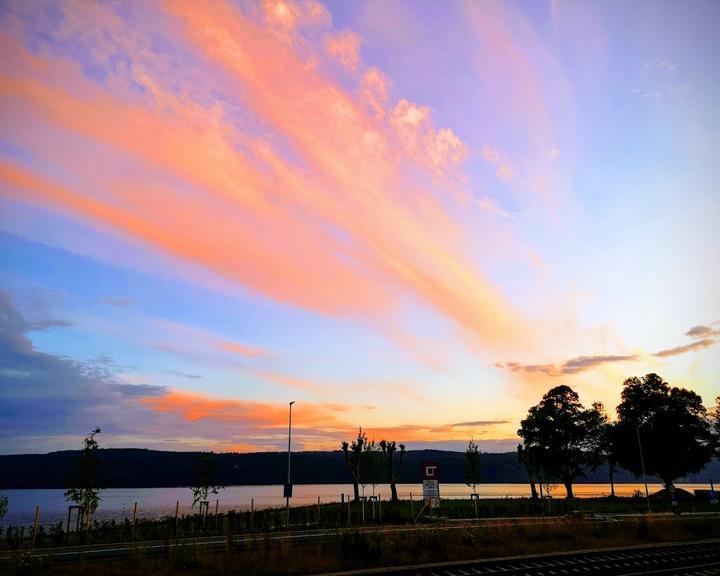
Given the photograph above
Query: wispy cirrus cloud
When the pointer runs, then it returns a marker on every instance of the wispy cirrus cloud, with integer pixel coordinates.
(401, 244)
(704, 337)
(678, 350)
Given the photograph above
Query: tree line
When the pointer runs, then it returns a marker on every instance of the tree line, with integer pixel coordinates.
(660, 430)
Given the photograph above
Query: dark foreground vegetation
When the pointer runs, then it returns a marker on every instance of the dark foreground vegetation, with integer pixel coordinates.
(337, 516)
(353, 549)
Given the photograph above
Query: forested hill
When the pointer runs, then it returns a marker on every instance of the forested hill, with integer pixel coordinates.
(132, 467)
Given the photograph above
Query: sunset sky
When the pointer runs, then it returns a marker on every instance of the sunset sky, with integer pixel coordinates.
(414, 217)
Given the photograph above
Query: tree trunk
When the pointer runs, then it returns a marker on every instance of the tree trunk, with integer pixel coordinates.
(393, 491)
(533, 490)
(356, 490)
(611, 471)
(568, 489)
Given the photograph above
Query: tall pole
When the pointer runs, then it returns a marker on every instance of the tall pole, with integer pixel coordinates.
(287, 494)
(642, 465)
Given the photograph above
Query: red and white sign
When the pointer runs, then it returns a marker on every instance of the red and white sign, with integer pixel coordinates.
(431, 485)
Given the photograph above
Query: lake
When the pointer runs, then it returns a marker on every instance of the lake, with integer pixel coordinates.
(117, 503)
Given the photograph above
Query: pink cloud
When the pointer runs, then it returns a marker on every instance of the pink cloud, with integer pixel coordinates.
(493, 156)
(275, 218)
(344, 46)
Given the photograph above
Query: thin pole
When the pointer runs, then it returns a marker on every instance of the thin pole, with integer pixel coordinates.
(412, 508)
(318, 511)
(134, 518)
(252, 514)
(287, 497)
(642, 465)
(177, 514)
(35, 525)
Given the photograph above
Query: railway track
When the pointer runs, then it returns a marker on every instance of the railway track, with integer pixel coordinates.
(681, 559)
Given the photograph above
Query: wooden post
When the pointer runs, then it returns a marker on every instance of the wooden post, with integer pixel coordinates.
(67, 532)
(252, 514)
(380, 509)
(35, 525)
(412, 508)
(318, 510)
(134, 523)
(217, 506)
(177, 515)
(348, 509)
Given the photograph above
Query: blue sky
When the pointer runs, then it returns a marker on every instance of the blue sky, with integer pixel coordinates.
(411, 217)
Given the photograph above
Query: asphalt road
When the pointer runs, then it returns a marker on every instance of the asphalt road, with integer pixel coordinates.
(676, 559)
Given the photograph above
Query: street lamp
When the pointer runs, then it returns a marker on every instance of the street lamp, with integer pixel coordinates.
(642, 464)
(288, 486)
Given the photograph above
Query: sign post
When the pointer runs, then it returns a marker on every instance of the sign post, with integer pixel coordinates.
(431, 485)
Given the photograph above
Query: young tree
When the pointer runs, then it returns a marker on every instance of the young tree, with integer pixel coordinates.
(674, 426)
(371, 468)
(388, 450)
(83, 483)
(472, 465)
(558, 429)
(525, 456)
(353, 457)
(204, 482)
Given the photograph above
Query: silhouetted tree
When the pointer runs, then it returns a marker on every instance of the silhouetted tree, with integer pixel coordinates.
(388, 450)
(353, 458)
(673, 424)
(525, 456)
(3, 505)
(371, 466)
(601, 442)
(715, 423)
(472, 464)
(204, 482)
(82, 481)
(559, 430)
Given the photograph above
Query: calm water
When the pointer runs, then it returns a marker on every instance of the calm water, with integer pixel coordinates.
(118, 503)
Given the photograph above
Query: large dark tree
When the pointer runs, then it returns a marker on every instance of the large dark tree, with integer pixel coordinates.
(673, 425)
(715, 423)
(559, 431)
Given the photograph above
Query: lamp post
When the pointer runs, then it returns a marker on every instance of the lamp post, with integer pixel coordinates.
(287, 486)
(642, 465)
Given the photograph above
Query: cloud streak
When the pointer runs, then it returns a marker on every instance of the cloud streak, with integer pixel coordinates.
(703, 336)
(348, 213)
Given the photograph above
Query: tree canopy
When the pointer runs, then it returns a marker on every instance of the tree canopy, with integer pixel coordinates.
(561, 434)
(673, 425)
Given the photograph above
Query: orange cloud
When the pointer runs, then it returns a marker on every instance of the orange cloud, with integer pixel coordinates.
(315, 425)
